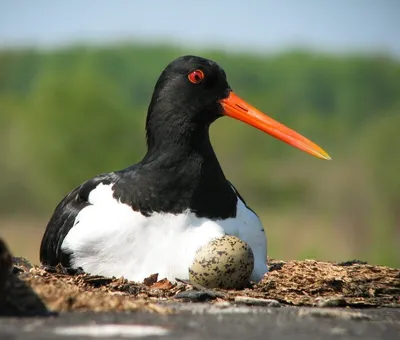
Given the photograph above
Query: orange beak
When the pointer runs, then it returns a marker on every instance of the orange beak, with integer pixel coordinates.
(237, 108)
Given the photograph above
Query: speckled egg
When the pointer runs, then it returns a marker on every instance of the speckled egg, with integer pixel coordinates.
(226, 262)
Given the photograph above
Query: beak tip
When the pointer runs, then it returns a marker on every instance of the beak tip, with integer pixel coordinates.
(327, 157)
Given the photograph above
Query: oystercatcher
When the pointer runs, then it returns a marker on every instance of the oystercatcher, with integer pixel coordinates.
(153, 216)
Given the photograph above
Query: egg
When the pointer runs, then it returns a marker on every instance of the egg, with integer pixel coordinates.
(226, 262)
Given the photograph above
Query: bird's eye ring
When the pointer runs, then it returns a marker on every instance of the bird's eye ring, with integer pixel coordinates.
(196, 76)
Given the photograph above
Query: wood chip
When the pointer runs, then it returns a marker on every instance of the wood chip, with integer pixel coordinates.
(162, 284)
(148, 281)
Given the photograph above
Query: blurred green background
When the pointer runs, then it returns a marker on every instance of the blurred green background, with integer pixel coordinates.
(73, 110)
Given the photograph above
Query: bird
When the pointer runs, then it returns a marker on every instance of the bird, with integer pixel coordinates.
(152, 217)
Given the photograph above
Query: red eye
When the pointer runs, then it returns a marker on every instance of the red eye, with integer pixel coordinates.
(196, 76)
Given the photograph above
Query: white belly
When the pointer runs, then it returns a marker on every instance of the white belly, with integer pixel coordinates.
(110, 239)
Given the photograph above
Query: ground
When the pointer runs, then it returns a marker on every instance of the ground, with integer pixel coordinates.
(297, 299)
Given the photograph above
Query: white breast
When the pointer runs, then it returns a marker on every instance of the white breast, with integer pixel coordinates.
(109, 238)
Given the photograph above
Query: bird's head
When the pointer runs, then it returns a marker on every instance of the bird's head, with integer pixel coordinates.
(192, 92)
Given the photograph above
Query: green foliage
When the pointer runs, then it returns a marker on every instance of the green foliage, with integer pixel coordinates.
(69, 114)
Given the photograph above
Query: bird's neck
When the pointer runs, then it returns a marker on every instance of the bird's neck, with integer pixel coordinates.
(170, 148)
(188, 172)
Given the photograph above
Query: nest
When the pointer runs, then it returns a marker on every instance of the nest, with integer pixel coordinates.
(30, 290)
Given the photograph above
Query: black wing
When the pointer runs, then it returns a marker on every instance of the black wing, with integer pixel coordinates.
(63, 220)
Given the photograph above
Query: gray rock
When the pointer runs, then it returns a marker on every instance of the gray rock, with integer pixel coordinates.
(244, 300)
(331, 302)
(333, 313)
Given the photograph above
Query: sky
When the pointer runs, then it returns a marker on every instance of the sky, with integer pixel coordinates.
(270, 25)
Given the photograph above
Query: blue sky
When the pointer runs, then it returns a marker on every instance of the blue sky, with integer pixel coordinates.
(335, 26)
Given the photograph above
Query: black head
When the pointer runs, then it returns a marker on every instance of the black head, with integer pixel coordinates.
(186, 97)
